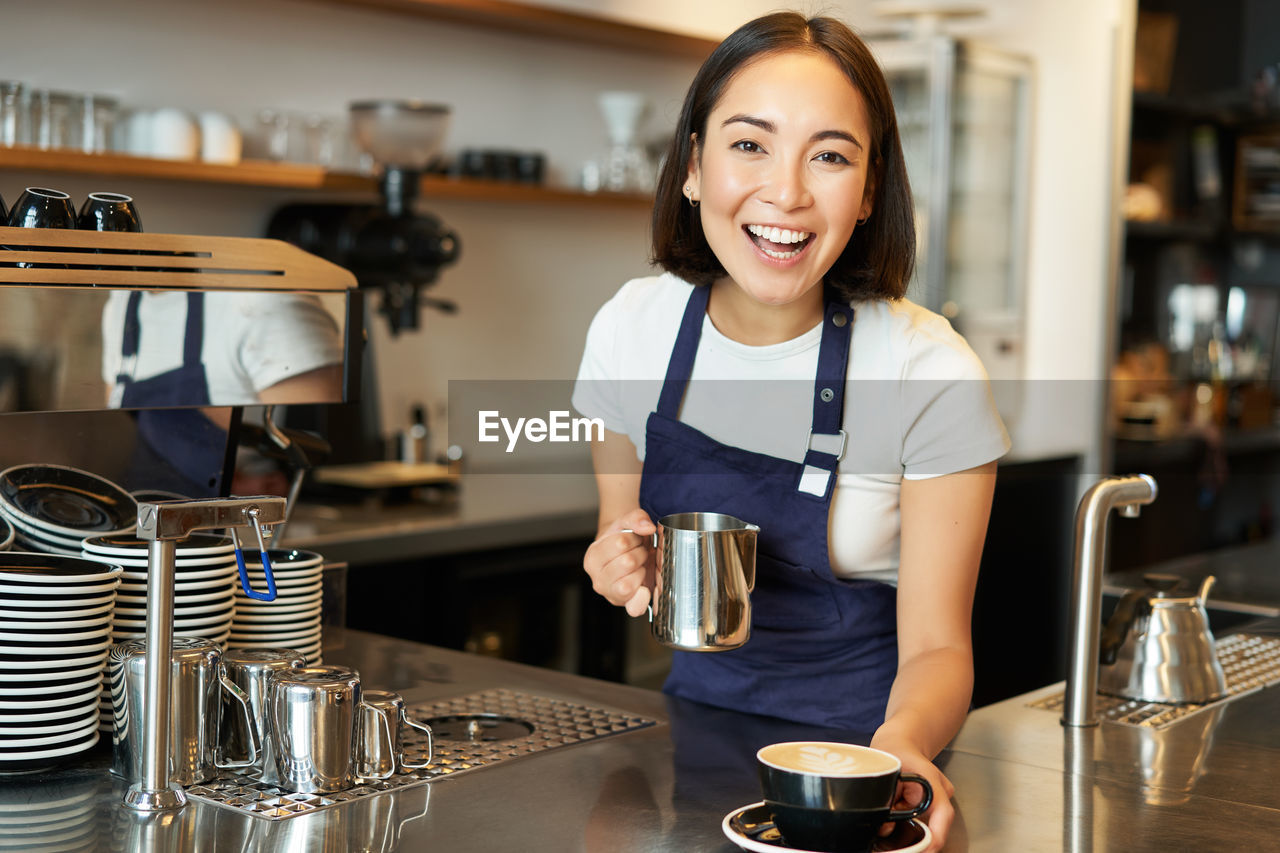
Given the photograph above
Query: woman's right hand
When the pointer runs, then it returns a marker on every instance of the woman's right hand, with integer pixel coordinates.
(621, 564)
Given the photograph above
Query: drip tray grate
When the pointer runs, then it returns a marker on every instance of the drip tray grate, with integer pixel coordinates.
(1249, 662)
(472, 731)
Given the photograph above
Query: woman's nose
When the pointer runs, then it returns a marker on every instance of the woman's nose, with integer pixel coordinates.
(786, 186)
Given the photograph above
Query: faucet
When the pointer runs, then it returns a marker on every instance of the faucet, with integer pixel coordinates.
(162, 523)
(1127, 495)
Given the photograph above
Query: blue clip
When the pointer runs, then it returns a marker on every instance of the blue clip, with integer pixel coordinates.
(270, 594)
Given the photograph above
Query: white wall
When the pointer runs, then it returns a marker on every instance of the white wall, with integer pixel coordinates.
(530, 277)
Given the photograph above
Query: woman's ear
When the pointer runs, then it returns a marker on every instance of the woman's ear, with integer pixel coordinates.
(868, 200)
(693, 177)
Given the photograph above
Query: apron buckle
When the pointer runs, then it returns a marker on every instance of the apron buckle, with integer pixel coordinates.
(827, 439)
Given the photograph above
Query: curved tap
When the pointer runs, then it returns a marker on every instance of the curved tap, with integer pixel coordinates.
(1126, 494)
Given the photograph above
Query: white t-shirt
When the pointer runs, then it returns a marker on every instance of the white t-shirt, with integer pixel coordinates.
(917, 402)
(252, 339)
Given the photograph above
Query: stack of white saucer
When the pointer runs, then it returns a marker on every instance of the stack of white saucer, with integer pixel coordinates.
(55, 615)
(203, 599)
(292, 620)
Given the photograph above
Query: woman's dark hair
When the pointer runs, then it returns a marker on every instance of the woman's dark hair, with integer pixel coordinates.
(878, 259)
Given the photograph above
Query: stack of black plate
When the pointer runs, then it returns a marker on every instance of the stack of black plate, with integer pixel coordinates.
(52, 508)
(55, 622)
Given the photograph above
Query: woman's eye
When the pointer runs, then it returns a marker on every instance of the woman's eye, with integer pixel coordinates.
(833, 158)
(748, 146)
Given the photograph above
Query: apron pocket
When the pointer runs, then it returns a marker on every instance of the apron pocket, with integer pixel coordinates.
(791, 597)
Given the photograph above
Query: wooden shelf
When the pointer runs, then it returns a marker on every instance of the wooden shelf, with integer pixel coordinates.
(298, 176)
(551, 23)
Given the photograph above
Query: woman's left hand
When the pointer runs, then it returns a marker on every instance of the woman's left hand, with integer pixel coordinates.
(941, 813)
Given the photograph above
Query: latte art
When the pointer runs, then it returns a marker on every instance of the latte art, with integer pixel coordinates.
(829, 759)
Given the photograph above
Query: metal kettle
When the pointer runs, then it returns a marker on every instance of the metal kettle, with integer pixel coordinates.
(1157, 646)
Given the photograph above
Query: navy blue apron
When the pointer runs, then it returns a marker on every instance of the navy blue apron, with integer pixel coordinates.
(823, 650)
(178, 449)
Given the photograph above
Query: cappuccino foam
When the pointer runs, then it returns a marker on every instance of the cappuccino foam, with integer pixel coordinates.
(829, 759)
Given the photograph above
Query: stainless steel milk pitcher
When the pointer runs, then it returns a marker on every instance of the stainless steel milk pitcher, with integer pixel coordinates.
(706, 569)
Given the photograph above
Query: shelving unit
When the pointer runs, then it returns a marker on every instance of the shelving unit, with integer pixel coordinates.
(262, 173)
(552, 23)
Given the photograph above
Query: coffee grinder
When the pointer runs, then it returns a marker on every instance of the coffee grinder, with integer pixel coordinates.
(389, 247)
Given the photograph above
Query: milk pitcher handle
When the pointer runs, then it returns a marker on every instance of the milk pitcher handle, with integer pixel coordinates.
(653, 544)
(254, 739)
(424, 729)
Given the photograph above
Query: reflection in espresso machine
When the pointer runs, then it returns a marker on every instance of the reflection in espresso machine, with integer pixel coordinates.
(162, 351)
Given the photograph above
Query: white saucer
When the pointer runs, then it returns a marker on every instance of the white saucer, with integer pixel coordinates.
(127, 545)
(263, 620)
(751, 828)
(28, 755)
(10, 614)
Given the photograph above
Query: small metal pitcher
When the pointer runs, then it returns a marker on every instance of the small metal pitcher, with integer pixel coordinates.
(253, 670)
(702, 591)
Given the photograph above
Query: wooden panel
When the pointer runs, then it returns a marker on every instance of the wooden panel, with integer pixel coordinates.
(174, 260)
(552, 23)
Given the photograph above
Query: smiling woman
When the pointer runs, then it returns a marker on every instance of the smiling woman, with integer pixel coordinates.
(786, 382)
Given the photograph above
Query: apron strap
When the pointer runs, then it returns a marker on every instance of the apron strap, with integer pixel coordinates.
(192, 342)
(827, 440)
(680, 367)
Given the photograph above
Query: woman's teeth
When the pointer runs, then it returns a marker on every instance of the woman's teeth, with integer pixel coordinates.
(779, 243)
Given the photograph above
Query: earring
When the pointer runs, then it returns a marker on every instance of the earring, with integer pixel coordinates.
(693, 202)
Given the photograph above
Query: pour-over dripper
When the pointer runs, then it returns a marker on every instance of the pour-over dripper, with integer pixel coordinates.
(627, 166)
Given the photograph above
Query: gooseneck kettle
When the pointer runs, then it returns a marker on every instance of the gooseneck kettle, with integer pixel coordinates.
(1157, 646)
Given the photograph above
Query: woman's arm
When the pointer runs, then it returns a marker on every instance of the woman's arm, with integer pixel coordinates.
(944, 524)
(620, 564)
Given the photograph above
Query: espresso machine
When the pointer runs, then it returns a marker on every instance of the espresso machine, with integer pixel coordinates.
(395, 251)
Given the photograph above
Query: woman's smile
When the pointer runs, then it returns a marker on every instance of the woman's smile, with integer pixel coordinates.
(781, 244)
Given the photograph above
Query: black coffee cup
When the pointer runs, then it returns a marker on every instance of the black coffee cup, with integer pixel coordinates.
(833, 796)
(41, 207)
(108, 212)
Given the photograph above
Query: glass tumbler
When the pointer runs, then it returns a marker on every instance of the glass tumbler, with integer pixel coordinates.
(13, 113)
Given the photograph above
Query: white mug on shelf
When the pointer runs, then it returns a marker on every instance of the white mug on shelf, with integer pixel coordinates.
(220, 138)
(174, 135)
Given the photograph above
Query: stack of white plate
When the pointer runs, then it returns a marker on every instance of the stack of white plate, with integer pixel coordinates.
(205, 577)
(55, 617)
(53, 507)
(292, 620)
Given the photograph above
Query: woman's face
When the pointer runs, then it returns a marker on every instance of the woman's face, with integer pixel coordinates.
(782, 174)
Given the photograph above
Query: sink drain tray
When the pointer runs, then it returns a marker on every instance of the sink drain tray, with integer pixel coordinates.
(1249, 662)
(474, 731)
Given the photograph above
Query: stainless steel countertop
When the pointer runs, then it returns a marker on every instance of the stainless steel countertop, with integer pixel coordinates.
(1246, 577)
(490, 511)
(1023, 782)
